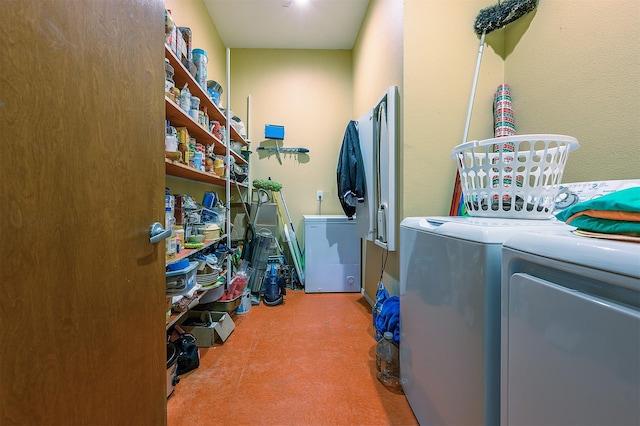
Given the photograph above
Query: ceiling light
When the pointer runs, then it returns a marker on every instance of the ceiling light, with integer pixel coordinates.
(287, 3)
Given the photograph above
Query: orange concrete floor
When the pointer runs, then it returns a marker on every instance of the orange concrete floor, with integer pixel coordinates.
(310, 361)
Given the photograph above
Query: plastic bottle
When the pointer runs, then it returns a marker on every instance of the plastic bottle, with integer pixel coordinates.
(205, 123)
(169, 221)
(387, 361)
(194, 112)
(185, 99)
(168, 77)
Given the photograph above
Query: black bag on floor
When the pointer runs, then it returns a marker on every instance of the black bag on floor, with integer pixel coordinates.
(188, 353)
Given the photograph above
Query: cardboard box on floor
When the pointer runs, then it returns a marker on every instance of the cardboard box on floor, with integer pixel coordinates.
(221, 327)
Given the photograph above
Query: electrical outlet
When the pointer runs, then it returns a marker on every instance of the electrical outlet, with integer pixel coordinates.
(319, 195)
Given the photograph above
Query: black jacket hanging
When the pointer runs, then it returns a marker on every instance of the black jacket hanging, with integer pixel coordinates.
(351, 179)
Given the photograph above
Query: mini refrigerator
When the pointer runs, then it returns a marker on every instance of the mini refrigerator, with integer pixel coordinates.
(331, 255)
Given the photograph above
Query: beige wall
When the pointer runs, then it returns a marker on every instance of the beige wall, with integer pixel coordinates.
(572, 70)
(429, 49)
(440, 57)
(576, 71)
(377, 54)
(309, 92)
(377, 64)
(194, 14)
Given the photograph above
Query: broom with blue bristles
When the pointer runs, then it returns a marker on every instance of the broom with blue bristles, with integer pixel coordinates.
(489, 19)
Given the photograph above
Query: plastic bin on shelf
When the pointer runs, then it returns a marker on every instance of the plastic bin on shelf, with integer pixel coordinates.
(180, 282)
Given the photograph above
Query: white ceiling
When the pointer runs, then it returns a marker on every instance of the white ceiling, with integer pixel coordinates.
(288, 24)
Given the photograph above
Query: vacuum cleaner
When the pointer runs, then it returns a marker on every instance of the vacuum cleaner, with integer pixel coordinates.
(274, 287)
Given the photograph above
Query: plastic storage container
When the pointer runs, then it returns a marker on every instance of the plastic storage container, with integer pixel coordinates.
(181, 281)
(211, 232)
(214, 90)
(200, 60)
(387, 361)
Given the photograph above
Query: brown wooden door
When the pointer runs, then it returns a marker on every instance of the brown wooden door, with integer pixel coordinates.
(82, 304)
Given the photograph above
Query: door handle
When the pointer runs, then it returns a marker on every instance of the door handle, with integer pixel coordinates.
(157, 233)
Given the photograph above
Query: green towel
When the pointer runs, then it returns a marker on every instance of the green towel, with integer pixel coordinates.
(596, 215)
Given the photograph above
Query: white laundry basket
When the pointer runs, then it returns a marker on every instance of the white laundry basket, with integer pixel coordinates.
(513, 177)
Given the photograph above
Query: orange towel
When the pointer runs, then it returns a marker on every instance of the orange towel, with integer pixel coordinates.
(606, 214)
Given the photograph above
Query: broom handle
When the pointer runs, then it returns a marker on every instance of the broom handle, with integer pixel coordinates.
(457, 190)
(473, 89)
(290, 222)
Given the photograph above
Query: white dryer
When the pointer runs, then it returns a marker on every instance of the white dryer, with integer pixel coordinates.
(570, 331)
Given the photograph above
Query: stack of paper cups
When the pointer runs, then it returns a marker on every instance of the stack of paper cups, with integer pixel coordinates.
(503, 112)
(504, 125)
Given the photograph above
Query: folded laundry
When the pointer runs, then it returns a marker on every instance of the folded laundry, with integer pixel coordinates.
(609, 214)
(614, 213)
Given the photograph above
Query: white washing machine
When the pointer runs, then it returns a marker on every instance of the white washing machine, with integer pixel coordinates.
(450, 272)
(450, 315)
(570, 331)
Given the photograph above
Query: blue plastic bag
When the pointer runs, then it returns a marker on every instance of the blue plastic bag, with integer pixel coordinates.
(381, 295)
